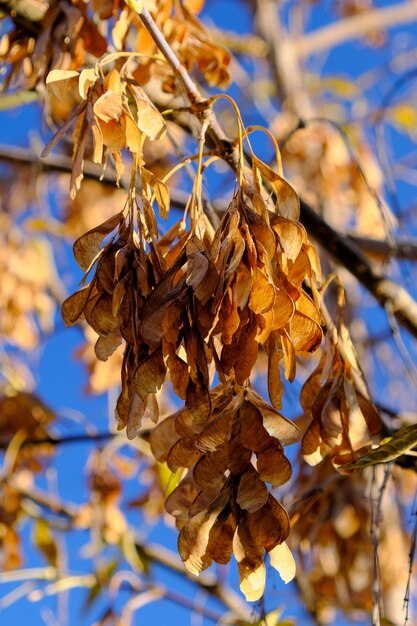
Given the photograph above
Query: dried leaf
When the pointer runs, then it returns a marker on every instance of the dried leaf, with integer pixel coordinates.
(106, 345)
(218, 431)
(163, 437)
(262, 294)
(88, 245)
(194, 538)
(312, 445)
(72, 308)
(273, 466)
(283, 561)
(288, 203)
(149, 121)
(149, 375)
(108, 107)
(209, 470)
(87, 78)
(61, 82)
(252, 493)
(274, 423)
(305, 328)
(252, 583)
(253, 434)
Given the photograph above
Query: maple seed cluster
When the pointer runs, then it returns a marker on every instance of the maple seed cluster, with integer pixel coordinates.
(185, 303)
(199, 300)
(344, 422)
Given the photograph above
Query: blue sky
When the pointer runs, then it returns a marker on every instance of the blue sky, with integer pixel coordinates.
(60, 377)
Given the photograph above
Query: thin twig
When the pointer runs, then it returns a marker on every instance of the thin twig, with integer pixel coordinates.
(209, 583)
(377, 493)
(58, 441)
(411, 556)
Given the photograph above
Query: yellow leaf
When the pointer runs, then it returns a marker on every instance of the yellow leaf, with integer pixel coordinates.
(252, 585)
(340, 86)
(139, 5)
(404, 116)
(87, 78)
(136, 5)
(194, 6)
(108, 107)
(283, 561)
(288, 204)
(59, 82)
(149, 121)
(44, 541)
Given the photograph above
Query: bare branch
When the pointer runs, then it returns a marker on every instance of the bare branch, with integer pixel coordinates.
(400, 249)
(388, 293)
(57, 441)
(355, 27)
(166, 558)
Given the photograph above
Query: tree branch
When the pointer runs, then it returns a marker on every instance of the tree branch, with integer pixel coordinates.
(355, 27)
(57, 441)
(388, 293)
(166, 558)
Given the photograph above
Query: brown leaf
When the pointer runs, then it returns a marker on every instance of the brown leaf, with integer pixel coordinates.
(262, 295)
(288, 203)
(274, 423)
(288, 352)
(88, 245)
(72, 308)
(134, 418)
(160, 190)
(182, 454)
(313, 448)
(150, 374)
(273, 466)
(283, 308)
(198, 402)
(290, 237)
(178, 371)
(194, 538)
(283, 561)
(305, 328)
(252, 493)
(253, 434)
(209, 470)
(101, 316)
(219, 430)
(178, 502)
(275, 386)
(114, 139)
(106, 345)
(221, 543)
(163, 437)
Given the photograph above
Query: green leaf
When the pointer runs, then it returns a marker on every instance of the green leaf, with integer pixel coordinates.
(43, 539)
(389, 450)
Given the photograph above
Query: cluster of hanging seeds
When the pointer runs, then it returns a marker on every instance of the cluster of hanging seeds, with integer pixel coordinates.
(197, 300)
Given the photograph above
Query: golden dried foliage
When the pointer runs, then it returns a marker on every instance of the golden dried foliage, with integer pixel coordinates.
(197, 306)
